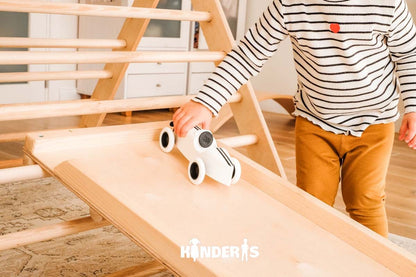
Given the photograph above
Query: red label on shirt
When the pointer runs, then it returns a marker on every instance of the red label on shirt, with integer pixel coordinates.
(335, 27)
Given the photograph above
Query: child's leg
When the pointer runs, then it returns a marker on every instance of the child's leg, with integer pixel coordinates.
(363, 176)
(317, 161)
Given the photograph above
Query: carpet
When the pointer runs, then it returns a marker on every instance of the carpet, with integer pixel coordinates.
(36, 203)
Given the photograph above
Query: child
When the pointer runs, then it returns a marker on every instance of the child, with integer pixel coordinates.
(352, 58)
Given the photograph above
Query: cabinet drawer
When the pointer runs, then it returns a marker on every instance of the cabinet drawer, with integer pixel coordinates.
(196, 81)
(147, 85)
(142, 68)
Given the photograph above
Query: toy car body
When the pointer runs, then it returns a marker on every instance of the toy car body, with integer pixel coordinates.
(205, 157)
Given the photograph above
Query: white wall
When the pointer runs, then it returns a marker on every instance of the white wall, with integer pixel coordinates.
(278, 75)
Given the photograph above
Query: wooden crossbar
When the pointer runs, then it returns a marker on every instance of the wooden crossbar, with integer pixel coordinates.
(49, 232)
(239, 141)
(41, 57)
(18, 42)
(14, 174)
(101, 10)
(83, 107)
(58, 75)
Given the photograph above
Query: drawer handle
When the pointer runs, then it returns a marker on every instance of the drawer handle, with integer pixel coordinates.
(158, 85)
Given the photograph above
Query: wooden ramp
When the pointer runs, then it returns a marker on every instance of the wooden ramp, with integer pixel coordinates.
(120, 172)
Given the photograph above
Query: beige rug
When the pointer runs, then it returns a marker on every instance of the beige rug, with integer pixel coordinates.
(36, 203)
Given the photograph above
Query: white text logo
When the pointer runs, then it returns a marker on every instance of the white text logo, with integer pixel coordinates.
(197, 251)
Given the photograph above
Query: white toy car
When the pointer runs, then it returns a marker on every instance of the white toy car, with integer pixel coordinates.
(205, 158)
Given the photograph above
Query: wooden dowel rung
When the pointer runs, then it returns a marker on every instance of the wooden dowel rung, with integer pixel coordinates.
(18, 42)
(81, 107)
(41, 57)
(26, 237)
(14, 174)
(102, 10)
(58, 75)
(239, 141)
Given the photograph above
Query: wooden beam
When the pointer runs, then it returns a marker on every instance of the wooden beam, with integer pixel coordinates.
(64, 57)
(143, 270)
(21, 173)
(18, 42)
(22, 238)
(102, 10)
(58, 75)
(10, 112)
(247, 113)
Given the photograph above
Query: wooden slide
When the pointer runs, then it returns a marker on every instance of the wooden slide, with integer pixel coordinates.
(121, 173)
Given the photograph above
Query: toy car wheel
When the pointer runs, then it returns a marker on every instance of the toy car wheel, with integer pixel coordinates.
(167, 139)
(196, 171)
(236, 172)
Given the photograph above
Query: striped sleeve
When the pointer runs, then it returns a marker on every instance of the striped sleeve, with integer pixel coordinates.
(245, 60)
(402, 45)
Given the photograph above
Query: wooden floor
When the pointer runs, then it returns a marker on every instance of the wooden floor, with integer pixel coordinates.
(401, 180)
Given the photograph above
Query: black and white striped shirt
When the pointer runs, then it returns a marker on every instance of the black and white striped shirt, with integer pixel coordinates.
(352, 58)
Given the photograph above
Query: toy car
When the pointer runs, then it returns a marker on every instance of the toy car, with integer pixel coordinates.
(205, 158)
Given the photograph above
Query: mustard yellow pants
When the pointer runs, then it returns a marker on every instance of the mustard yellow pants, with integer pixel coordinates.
(324, 159)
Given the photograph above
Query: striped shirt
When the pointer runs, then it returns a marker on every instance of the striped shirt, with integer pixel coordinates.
(353, 59)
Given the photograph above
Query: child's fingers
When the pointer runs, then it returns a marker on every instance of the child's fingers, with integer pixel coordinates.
(412, 143)
(179, 126)
(411, 133)
(188, 126)
(403, 130)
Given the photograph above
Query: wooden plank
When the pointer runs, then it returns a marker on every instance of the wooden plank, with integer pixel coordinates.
(30, 236)
(102, 10)
(87, 106)
(247, 113)
(296, 233)
(58, 75)
(19, 42)
(21, 173)
(81, 57)
(143, 270)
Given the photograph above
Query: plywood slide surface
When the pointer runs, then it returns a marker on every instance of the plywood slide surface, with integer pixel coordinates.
(122, 173)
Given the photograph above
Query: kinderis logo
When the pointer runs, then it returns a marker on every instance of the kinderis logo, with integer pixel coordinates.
(196, 251)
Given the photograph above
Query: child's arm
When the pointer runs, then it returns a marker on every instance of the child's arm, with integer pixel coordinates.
(243, 62)
(402, 45)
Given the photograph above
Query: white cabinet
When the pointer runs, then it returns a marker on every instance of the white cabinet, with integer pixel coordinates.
(157, 79)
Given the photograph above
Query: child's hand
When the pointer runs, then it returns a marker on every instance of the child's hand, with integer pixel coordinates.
(408, 129)
(189, 115)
